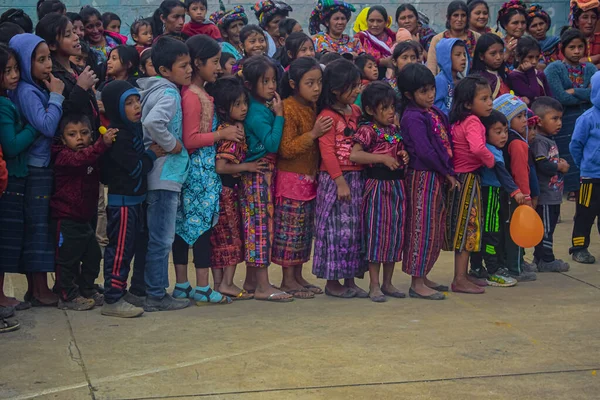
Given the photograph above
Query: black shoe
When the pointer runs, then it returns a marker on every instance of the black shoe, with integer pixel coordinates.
(435, 296)
(166, 303)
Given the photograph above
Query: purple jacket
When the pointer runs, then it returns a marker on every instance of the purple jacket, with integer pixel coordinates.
(527, 84)
(426, 150)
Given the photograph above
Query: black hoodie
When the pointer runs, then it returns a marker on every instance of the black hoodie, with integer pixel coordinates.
(127, 163)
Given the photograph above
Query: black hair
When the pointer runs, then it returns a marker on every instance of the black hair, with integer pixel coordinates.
(569, 35)
(381, 10)
(137, 25)
(484, 42)
(286, 26)
(73, 17)
(577, 11)
(129, 57)
(165, 52)
(298, 68)
(525, 45)
(362, 60)
(293, 43)
(456, 5)
(74, 119)
(19, 17)
(403, 47)
(87, 12)
(163, 10)
(404, 7)
(45, 7)
(464, 94)
(505, 17)
(225, 91)
(472, 4)
(225, 56)
(249, 30)
(202, 47)
(377, 94)
(8, 30)
(108, 17)
(492, 119)
(144, 57)
(329, 57)
(5, 55)
(254, 68)
(412, 78)
(340, 76)
(188, 3)
(543, 104)
(52, 27)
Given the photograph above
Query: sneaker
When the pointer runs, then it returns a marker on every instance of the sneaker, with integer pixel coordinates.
(7, 311)
(501, 279)
(583, 257)
(529, 267)
(479, 273)
(137, 301)
(524, 276)
(553, 266)
(121, 309)
(98, 299)
(167, 303)
(79, 303)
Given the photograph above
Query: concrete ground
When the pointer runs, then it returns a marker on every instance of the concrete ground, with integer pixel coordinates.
(535, 341)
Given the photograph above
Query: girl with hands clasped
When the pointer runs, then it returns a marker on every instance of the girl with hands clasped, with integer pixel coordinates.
(527, 81)
(296, 185)
(378, 144)
(338, 232)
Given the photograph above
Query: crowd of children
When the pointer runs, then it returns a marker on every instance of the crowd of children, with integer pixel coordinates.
(254, 143)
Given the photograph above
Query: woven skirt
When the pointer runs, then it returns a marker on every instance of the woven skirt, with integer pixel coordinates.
(294, 226)
(226, 238)
(338, 233)
(383, 220)
(12, 224)
(425, 221)
(464, 219)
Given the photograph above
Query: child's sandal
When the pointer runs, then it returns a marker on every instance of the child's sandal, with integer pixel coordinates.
(207, 299)
(181, 293)
(8, 325)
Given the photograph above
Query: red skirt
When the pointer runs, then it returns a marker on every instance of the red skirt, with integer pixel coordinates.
(226, 239)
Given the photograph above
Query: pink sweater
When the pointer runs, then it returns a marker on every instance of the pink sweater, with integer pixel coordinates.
(468, 139)
(197, 109)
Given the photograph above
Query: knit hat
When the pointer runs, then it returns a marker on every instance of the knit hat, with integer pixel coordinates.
(509, 105)
(403, 35)
(324, 10)
(223, 18)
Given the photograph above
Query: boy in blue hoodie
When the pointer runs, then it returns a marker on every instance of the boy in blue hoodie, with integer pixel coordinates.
(453, 60)
(39, 99)
(162, 124)
(585, 147)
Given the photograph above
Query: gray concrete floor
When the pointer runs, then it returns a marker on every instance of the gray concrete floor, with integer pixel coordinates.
(535, 341)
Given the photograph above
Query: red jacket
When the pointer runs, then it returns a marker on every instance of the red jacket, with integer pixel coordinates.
(3, 173)
(76, 181)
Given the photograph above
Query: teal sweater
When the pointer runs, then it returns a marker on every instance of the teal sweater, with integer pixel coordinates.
(263, 131)
(15, 138)
(558, 80)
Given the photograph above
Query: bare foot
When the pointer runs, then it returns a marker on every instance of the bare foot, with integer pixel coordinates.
(231, 291)
(477, 281)
(268, 293)
(296, 290)
(429, 283)
(335, 288)
(464, 286)
(424, 290)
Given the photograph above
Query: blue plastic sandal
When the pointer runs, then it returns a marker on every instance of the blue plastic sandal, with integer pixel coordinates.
(183, 291)
(205, 295)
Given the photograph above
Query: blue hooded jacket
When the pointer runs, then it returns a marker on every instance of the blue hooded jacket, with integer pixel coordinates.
(444, 84)
(585, 142)
(40, 109)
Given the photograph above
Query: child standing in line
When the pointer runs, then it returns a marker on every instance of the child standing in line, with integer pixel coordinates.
(488, 61)
(473, 100)
(297, 44)
(378, 144)
(226, 240)
(141, 34)
(39, 99)
(296, 184)
(146, 67)
(338, 233)
(122, 65)
(404, 53)
(73, 206)
(197, 10)
(426, 134)
(526, 80)
(15, 139)
(550, 169)
(264, 127)
(227, 62)
(162, 122)
(585, 147)
(452, 56)
(199, 208)
(368, 72)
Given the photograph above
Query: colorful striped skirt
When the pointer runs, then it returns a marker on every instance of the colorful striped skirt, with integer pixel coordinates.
(12, 224)
(226, 239)
(425, 221)
(383, 220)
(294, 226)
(256, 201)
(464, 219)
(338, 233)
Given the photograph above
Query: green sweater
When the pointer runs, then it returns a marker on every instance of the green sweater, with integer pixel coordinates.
(263, 130)
(15, 138)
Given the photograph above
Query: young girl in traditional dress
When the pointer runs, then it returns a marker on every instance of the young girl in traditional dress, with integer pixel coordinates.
(427, 139)
(199, 208)
(263, 126)
(473, 100)
(488, 62)
(339, 195)
(378, 144)
(296, 185)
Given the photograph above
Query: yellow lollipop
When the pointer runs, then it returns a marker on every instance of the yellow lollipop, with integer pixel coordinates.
(102, 130)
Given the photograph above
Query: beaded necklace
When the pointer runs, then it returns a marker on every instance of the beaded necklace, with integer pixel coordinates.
(384, 133)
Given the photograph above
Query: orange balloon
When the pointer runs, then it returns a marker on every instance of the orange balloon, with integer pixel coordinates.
(526, 227)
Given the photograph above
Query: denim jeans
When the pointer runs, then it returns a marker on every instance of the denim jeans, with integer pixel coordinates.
(162, 210)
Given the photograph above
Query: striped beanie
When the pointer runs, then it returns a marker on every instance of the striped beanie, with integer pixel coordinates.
(509, 105)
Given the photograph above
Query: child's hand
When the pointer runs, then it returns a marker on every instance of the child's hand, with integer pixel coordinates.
(233, 133)
(519, 198)
(322, 125)
(525, 100)
(177, 149)
(403, 154)
(534, 202)
(563, 166)
(260, 166)
(525, 66)
(391, 162)
(343, 191)
(454, 184)
(110, 136)
(54, 84)
(157, 150)
(277, 105)
(570, 91)
(87, 79)
(100, 106)
(510, 47)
